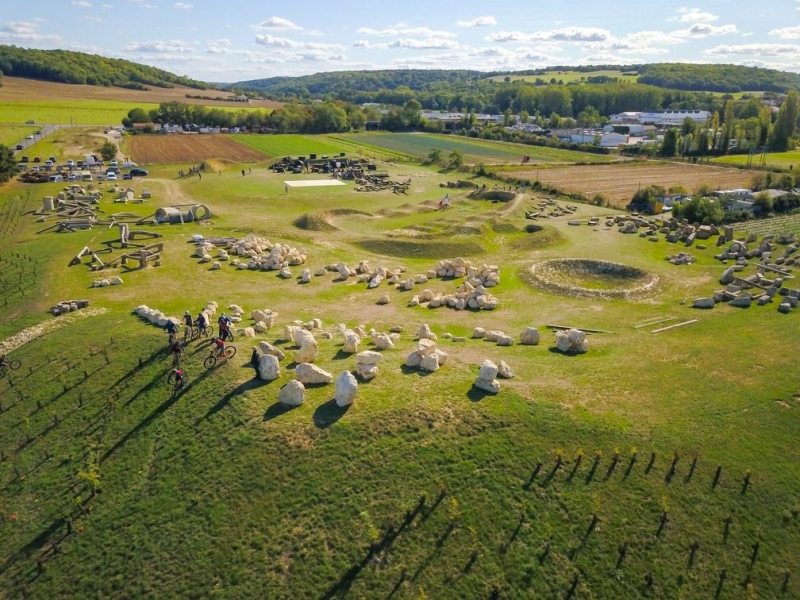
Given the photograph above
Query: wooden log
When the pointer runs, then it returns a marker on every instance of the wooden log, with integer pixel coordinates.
(656, 321)
(581, 328)
(675, 325)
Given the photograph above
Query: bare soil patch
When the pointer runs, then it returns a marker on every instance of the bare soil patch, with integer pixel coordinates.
(619, 181)
(172, 149)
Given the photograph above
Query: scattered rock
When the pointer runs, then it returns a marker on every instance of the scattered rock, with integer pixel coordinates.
(572, 341)
(504, 370)
(292, 394)
(310, 374)
(529, 337)
(346, 388)
(268, 367)
(487, 378)
(703, 303)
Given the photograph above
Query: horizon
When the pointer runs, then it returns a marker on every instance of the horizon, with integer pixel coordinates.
(249, 42)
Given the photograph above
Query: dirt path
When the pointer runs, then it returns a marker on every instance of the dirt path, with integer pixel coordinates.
(36, 331)
(174, 193)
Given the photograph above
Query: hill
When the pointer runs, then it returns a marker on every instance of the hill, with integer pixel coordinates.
(676, 76)
(66, 66)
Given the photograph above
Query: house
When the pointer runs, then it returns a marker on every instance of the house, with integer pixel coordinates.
(626, 117)
(673, 117)
(606, 139)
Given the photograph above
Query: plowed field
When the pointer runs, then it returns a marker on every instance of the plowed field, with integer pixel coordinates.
(618, 182)
(169, 149)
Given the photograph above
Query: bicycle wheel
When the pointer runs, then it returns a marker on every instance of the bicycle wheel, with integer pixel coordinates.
(209, 362)
(170, 379)
(14, 365)
(230, 352)
(209, 332)
(2, 372)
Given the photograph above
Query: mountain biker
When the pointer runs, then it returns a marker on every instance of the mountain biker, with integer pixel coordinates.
(201, 321)
(177, 353)
(187, 319)
(224, 322)
(180, 377)
(219, 346)
(3, 360)
(171, 327)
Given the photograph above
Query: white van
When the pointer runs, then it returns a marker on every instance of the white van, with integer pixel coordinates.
(86, 176)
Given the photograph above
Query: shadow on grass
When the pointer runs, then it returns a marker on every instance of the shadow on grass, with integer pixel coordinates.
(477, 394)
(406, 370)
(328, 413)
(555, 350)
(276, 410)
(240, 389)
(341, 355)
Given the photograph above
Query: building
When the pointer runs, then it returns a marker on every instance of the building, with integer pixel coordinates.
(661, 117)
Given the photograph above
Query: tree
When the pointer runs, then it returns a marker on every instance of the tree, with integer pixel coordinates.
(108, 151)
(785, 123)
(762, 203)
(669, 147)
(8, 166)
(705, 211)
(412, 114)
(434, 156)
(455, 159)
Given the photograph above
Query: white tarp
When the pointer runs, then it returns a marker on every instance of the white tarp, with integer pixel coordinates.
(312, 182)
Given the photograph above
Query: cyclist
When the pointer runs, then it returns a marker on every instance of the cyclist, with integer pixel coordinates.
(177, 353)
(171, 328)
(187, 319)
(219, 347)
(225, 327)
(201, 321)
(179, 376)
(3, 360)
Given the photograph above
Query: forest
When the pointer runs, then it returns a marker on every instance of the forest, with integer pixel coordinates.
(66, 66)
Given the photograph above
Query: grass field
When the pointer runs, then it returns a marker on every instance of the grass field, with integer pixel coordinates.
(569, 76)
(277, 146)
(22, 100)
(779, 160)
(67, 142)
(618, 182)
(474, 150)
(11, 134)
(589, 476)
(172, 149)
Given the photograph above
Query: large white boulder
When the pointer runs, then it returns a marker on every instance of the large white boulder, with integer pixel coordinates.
(292, 394)
(308, 352)
(346, 388)
(529, 336)
(310, 374)
(430, 363)
(351, 342)
(424, 333)
(382, 341)
(488, 370)
(368, 357)
(268, 367)
(266, 348)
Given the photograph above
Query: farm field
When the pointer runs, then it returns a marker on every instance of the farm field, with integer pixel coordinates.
(11, 134)
(19, 89)
(656, 465)
(782, 223)
(175, 149)
(67, 142)
(474, 150)
(569, 76)
(618, 182)
(778, 160)
(280, 145)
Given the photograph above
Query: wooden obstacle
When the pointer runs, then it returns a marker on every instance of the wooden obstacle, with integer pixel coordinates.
(564, 327)
(144, 256)
(689, 322)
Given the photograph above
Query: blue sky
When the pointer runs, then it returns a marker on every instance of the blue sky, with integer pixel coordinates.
(238, 39)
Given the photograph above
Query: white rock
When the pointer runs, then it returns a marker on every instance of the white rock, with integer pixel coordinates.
(384, 299)
(351, 342)
(346, 388)
(292, 394)
(478, 333)
(249, 332)
(268, 367)
(266, 348)
(488, 370)
(305, 276)
(504, 370)
(368, 357)
(430, 363)
(414, 359)
(529, 336)
(310, 374)
(308, 352)
(424, 333)
(492, 386)
(382, 341)
(505, 340)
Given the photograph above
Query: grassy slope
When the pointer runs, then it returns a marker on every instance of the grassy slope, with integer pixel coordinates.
(11, 134)
(780, 160)
(568, 76)
(218, 493)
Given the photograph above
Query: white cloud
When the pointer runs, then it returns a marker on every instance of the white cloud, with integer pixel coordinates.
(787, 33)
(424, 44)
(171, 47)
(282, 42)
(182, 6)
(82, 3)
(360, 44)
(24, 31)
(755, 49)
(705, 30)
(403, 29)
(279, 23)
(487, 21)
(694, 15)
(565, 34)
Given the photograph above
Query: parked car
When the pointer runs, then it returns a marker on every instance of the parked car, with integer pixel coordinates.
(137, 172)
(70, 163)
(73, 177)
(18, 147)
(127, 176)
(30, 137)
(55, 178)
(111, 176)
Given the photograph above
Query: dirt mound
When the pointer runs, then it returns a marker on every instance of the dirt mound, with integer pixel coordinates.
(314, 222)
(346, 212)
(585, 278)
(409, 249)
(493, 195)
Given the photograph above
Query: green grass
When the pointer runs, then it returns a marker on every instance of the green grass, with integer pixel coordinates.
(80, 112)
(779, 160)
(221, 493)
(474, 150)
(277, 146)
(10, 135)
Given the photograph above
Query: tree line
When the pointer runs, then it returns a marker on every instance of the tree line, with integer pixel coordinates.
(66, 66)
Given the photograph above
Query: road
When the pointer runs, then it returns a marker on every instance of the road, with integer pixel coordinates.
(45, 131)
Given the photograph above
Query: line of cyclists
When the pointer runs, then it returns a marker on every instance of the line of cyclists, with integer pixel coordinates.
(194, 329)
